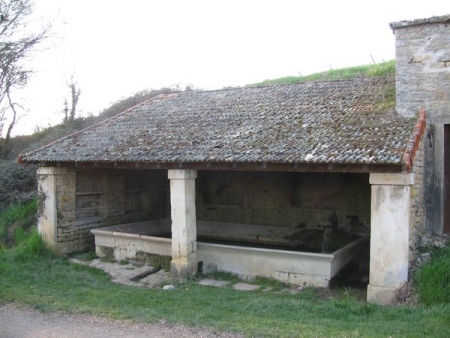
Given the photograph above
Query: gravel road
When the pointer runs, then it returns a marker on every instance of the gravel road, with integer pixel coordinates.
(22, 322)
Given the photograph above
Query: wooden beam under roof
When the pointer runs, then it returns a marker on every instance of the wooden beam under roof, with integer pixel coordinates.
(237, 166)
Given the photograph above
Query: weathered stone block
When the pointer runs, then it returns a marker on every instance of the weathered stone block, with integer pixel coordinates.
(183, 267)
(382, 295)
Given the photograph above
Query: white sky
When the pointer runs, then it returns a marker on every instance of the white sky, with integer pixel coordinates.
(116, 48)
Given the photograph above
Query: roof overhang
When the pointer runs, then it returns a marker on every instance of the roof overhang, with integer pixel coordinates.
(443, 19)
(235, 166)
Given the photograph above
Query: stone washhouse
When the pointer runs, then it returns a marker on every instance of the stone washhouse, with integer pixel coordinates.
(286, 181)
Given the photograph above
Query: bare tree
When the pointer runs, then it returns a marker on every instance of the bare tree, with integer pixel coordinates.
(75, 93)
(66, 111)
(15, 48)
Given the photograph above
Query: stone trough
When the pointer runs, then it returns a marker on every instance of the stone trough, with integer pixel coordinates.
(285, 254)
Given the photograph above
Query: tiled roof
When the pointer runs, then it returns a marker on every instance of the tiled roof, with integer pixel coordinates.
(345, 121)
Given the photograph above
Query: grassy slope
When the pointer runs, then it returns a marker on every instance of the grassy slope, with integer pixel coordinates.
(55, 284)
(433, 279)
(380, 69)
(15, 221)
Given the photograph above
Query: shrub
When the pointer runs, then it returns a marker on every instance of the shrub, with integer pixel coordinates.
(17, 183)
(433, 279)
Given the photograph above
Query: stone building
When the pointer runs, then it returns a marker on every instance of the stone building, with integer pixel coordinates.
(423, 81)
(247, 179)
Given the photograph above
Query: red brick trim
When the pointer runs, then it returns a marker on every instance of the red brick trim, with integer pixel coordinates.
(414, 141)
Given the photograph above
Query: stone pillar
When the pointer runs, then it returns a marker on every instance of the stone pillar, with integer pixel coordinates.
(184, 228)
(47, 220)
(389, 235)
(57, 198)
(57, 206)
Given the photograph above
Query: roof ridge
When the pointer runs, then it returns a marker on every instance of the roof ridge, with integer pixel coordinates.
(384, 77)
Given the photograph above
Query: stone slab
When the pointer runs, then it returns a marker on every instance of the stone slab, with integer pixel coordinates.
(246, 287)
(156, 279)
(213, 282)
(126, 274)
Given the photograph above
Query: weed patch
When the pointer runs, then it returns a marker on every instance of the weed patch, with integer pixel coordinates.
(433, 279)
(90, 255)
(15, 222)
(225, 276)
(30, 247)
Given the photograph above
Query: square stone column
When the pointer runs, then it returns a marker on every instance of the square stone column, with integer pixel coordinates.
(56, 197)
(389, 236)
(47, 218)
(184, 223)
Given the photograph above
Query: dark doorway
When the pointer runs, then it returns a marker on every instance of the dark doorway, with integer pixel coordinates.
(447, 179)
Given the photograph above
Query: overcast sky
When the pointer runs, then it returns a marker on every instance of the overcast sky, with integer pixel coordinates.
(116, 48)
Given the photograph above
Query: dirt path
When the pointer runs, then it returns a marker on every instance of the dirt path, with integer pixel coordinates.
(22, 322)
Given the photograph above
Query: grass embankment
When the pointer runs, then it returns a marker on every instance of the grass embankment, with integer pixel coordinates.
(433, 279)
(380, 69)
(30, 275)
(15, 222)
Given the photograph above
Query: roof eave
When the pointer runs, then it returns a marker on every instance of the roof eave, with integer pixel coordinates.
(235, 166)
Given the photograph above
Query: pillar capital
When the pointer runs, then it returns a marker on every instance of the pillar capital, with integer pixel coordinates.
(54, 171)
(182, 174)
(391, 179)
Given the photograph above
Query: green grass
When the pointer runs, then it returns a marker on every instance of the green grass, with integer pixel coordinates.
(15, 222)
(380, 69)
(433, 279)
(31, 275)
(51, 284)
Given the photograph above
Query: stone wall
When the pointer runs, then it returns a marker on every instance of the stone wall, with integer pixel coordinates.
(423, 82)
(417, 227)
(422, 237)
(303, 200)
(423, 66)
(90, 199)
